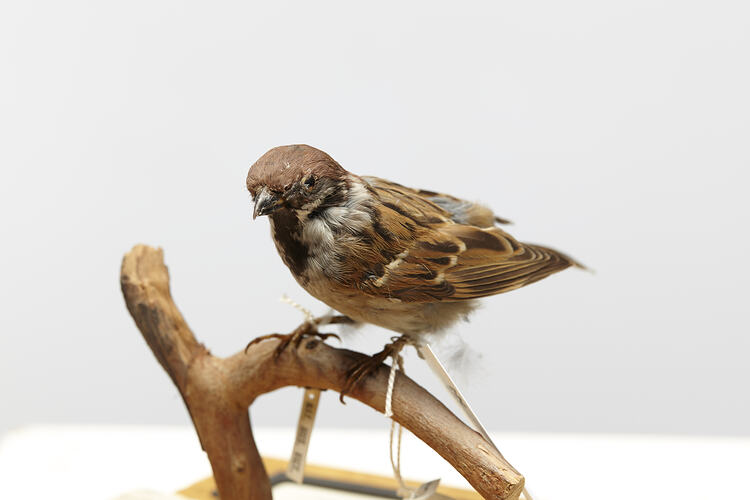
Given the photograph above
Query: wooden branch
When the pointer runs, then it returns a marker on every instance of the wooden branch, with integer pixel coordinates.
(218, 391)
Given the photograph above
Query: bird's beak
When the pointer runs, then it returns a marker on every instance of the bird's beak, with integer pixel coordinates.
(266, 202)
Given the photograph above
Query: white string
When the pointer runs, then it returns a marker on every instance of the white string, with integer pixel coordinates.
(397, 362)
(389, 392)
(309, 318)
(403, 490)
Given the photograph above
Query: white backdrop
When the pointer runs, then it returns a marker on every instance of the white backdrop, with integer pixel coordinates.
(615, 131)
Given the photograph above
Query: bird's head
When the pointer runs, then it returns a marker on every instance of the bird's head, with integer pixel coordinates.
(299, 178)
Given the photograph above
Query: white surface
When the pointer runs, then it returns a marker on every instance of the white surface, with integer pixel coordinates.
(615, 131)
(84, 463)
(291, 491)
(150, 495)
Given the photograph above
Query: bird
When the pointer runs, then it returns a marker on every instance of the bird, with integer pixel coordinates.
(412, 261)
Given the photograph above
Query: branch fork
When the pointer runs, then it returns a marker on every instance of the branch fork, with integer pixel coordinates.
(218, 391)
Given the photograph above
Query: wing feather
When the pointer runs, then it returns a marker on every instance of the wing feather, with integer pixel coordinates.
(438, 256)
(443, 205)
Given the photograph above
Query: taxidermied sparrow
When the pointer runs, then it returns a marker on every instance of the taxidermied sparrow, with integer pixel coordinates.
(409, 260)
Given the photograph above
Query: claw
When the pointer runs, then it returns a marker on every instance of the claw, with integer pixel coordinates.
(260, 339)
(370, 365)
(307, 329)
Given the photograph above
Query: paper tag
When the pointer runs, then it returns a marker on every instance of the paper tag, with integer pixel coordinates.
(296, 468)
(425, 491)
(425, 351)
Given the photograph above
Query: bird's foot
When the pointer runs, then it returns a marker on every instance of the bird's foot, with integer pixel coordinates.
(368, 366)
(305, 330)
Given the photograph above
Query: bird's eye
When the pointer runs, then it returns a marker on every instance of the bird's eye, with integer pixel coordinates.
(309, 182)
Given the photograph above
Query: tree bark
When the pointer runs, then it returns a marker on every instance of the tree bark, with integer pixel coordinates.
(218, 391)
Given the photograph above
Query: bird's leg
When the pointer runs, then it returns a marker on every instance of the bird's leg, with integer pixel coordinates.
(306, 329)
(365, 368)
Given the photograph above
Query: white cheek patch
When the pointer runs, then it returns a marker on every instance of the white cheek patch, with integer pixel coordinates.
(354, 215)
(322, 234)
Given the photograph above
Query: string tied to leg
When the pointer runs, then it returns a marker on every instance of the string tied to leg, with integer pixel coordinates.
(426, 490)
(309, 318)
(397, 363)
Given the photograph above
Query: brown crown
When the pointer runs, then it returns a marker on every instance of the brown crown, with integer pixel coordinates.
(282, 166)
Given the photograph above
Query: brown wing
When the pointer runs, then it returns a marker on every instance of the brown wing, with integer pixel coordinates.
(446, 260)
(485, 268)
(449, 207)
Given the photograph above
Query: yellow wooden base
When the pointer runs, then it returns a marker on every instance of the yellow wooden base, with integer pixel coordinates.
(203, 490)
